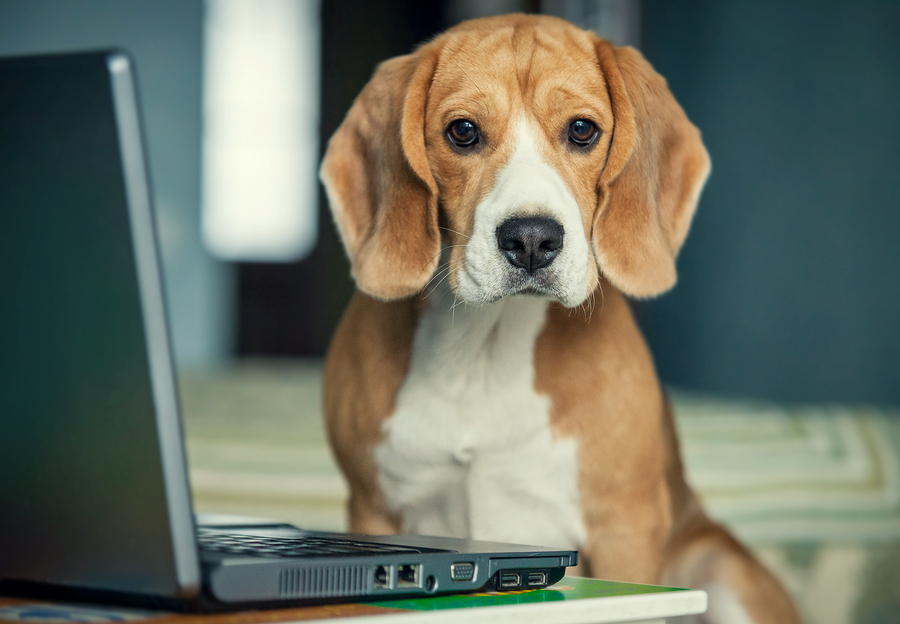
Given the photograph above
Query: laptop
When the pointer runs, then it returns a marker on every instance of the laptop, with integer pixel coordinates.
(94, 495)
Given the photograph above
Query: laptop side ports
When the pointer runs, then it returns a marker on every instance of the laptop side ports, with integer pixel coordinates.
(382, 577)
(408, 575)
(462, 571)
(536, 579)
(509, 580)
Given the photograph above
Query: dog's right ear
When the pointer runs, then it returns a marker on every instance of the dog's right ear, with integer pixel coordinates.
(654, 173)
(376, 174)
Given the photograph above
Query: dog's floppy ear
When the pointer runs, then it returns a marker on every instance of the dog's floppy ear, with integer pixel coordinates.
(652, 180)
(376, 174)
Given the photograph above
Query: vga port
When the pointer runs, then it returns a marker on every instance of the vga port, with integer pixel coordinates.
(464, 571)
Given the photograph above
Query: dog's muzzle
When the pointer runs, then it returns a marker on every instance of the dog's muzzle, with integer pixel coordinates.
(530, 243)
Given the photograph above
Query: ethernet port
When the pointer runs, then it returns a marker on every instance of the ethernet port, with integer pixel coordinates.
(382, 579)
(408, 576)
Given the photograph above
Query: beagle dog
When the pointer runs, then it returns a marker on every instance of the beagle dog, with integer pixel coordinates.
(500, 192)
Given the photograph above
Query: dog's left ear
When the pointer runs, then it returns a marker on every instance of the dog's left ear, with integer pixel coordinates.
(652, 180)
(379, 184)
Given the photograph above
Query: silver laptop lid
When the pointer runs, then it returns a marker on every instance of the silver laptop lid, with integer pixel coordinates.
(93, 480)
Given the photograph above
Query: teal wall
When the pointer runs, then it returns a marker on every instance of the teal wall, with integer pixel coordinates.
(790, 279)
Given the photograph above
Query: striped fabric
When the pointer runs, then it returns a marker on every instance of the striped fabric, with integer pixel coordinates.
(814, 490)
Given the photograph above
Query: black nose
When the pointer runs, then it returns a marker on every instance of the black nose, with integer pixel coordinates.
(530, 243)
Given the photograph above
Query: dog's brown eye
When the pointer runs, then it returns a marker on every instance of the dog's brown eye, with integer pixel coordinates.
(582, 132)
(463, 133)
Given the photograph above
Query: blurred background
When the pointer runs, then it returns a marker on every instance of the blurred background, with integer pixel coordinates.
(788, 283)
(781, 341)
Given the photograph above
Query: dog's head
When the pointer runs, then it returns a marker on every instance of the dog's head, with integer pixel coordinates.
(540, 155)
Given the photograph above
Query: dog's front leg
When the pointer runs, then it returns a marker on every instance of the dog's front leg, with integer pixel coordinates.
(365, 367)
(367, 514)
(626, 533)
(598, 373)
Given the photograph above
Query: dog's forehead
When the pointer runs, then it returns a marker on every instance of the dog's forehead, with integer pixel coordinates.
(505, 69)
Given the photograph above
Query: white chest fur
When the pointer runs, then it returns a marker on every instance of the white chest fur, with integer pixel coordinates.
(469, 451)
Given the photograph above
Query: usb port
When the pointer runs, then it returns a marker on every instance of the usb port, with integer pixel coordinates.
(509, 580)
(537, 578)
(462, 571)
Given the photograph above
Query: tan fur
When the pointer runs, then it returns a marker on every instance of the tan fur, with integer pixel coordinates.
(522, 76)
(382, 193)
(392, 178)
(600, 375)
(372, 344)
(651, 183)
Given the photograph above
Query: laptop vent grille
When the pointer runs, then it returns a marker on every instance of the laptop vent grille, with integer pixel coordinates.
(323, 582)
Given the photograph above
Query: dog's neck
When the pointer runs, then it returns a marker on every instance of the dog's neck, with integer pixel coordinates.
(468, 419)
(453, 333)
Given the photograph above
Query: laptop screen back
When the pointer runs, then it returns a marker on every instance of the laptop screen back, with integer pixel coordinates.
(83, 500)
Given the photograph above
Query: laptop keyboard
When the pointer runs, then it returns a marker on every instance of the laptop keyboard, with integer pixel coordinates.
(267, 546)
